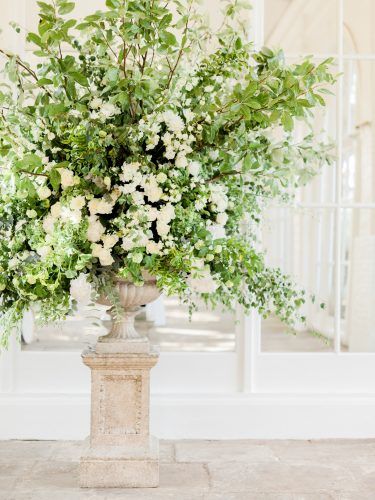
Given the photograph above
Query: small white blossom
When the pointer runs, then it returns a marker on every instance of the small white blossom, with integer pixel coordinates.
(109, 240)
(103, 254)
(95, 229)
(31, 213)
(43, 251)
(77, 203)
(49, 224)
(44, 192)
(194, 168)
(100, 206)
(67, 178)
(96, 103)
(81, 289)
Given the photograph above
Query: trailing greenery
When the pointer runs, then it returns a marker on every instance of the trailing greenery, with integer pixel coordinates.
(142, 140)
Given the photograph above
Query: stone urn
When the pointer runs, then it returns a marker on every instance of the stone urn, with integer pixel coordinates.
(120, 452)
(123, 337)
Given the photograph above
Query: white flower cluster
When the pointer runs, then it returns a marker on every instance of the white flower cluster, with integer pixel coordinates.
(103, 111)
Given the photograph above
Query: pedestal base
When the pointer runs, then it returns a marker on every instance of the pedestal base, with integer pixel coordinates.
(120, 467)
(120, 452)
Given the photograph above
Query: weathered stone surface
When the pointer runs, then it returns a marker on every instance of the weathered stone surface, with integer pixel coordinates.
(224, 451)
(322, 451)
(49, 471)
(281, 477)
(190, 476)
(120, 451)
(119, 473)
(166, 451)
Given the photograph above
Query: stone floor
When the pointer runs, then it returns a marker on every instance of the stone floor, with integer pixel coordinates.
(203, 470)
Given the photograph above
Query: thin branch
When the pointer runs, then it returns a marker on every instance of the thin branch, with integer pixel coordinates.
(25, 67)
(180, 52)
(32, 173)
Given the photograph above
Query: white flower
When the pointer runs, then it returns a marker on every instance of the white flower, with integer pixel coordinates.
(129, 170)
(199, 204)
(96, 103)
(95, 229)
(217, 231)
(31, 213)
(222, 218)
(67, 178)
(48, 224)
(197, 263)
(44, 192)
(153, 248)
(103, 254)
(161, 177)
(218, 197)
(203, 282)
(166, 214)
(137, 258)
(68, 215)
(170, 153)
(162, 228)
(77, 203)
(56, 210)
(127, 244)
(100, 206)
(109, 240)
(128, 188)
(138, 198)
(50, 136)
(151, 213)
(44, 251)
(152, 190)
(173, 121)
(189, 115)
(194, 168)
(181, 161)
(107, 110)
(81, 289)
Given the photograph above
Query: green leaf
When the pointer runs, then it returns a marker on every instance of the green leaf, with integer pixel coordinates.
(287, 121)
(168, 38)
(55, 109)
(34, 38)
(55, 179)
(252, 103)
(29, 162)
(112, 4)
(79, 78)
(44, 81)
(66, 8)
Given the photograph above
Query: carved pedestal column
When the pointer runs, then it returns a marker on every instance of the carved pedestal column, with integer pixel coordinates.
(120, 451)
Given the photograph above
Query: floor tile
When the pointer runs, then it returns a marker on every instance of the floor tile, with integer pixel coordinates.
(224, 451)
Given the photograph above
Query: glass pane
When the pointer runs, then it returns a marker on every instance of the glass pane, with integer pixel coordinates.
(358, 279)
(208, 330)
(358, 175)
(301, 243)
(308, 27)
(359, 18)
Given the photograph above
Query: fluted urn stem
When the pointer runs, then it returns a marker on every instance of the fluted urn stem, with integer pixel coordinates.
(123, 328)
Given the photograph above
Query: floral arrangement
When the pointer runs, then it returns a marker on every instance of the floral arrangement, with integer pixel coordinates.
(142, 140)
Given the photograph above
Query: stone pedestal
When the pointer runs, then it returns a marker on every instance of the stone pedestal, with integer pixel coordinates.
(120, 451)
